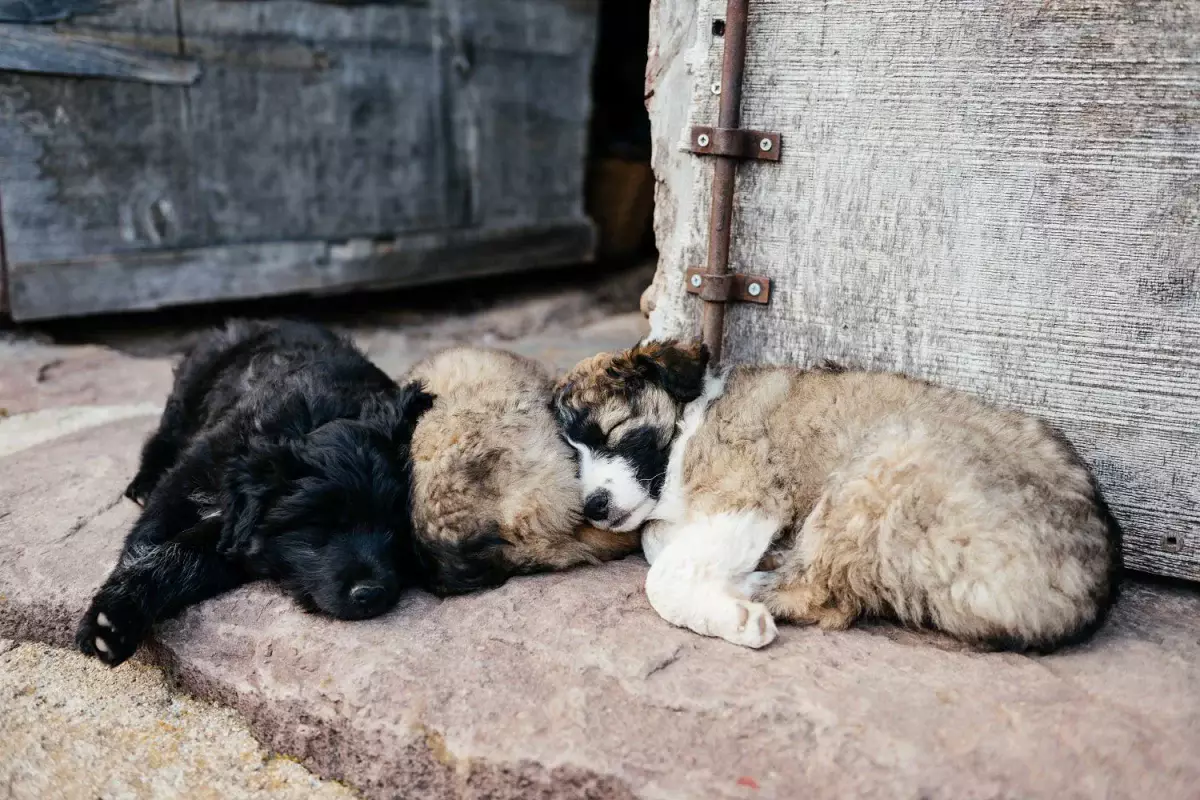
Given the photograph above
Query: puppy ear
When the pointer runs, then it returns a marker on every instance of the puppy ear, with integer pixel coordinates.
(253, 483)
(449, 567)
(415, 401)
(608, 545)
(399, 419)
(677, 367)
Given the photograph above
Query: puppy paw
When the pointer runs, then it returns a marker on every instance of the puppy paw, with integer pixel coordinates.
(139, 489)
(753, 626)
(753, 585)
(109, 632)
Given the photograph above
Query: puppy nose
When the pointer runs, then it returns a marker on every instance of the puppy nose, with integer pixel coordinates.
(367, 594)
(596, 507)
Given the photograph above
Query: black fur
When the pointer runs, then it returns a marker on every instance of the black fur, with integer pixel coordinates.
(282, 453)
(641, 448)
(450, 568)
(680, 371)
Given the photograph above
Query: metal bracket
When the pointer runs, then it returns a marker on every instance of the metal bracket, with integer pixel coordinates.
(732, 287)
(735, 143)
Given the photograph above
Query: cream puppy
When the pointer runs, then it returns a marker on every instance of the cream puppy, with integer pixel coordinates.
(824, 495)
(495, 490)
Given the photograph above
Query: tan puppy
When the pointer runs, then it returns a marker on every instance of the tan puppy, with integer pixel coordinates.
(873, 494)
(495, 489)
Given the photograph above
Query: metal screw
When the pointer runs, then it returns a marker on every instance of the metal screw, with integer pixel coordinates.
(696, 281)
(765, 145)
(702, 140)
(716, 88)
(754, 289)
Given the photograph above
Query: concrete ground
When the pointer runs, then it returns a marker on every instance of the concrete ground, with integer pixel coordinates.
(552, 686)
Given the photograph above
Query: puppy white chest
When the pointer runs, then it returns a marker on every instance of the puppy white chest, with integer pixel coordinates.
(671, 511)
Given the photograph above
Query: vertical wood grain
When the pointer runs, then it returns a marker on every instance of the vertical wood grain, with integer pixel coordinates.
(1002, 197)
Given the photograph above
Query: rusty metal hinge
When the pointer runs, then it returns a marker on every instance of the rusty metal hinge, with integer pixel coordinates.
(729, 287)
(734, 143)
(730, 143)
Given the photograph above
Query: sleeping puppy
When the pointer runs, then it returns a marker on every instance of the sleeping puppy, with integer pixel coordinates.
(495, 488)
(282, 453)
(872, 494)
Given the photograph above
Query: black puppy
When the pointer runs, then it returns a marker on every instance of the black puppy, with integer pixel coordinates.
(282, 453)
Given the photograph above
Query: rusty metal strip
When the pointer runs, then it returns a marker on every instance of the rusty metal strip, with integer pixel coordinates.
(727, 137)
(728, 287)
(735, 143)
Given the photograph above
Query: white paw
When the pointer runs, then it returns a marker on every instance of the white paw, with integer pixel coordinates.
(751, 584)
(102, 645)
(103, 622)
(753, 625)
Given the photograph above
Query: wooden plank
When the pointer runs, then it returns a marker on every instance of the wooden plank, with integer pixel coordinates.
(312, 122)
(92, 166)
(4, 310)
(999, 197)
(145, 281)
(28, 11)
(26, 49)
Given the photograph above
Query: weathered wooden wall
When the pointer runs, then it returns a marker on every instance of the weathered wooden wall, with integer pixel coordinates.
(999, 196)
(322, 146)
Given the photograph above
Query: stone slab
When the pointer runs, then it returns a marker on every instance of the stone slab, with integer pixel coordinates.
(75, 730)
(569, 686)
(35, 376)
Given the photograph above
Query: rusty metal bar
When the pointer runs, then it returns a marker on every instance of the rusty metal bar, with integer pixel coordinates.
(5, 302)
(724, 171)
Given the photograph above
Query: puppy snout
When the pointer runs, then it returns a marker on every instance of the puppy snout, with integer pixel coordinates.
(596, 507)
(369, 596)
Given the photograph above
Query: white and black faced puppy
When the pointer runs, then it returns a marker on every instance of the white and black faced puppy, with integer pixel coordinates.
(825, 495)
(282, 453)
(495, 489)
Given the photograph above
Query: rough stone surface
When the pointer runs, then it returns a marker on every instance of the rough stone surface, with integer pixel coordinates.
(37, 376)
(568, 685)
(75, 730)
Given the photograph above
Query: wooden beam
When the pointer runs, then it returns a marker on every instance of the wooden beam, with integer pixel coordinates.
(151, 280)
(40, 51)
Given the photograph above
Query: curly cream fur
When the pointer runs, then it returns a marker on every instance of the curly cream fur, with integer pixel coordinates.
(487, 456)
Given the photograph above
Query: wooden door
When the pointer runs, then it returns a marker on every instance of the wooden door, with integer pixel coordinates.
(224, 149)
(1001, 197)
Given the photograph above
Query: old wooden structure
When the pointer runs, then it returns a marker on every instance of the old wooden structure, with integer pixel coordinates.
(156, 152)
(1002, 197)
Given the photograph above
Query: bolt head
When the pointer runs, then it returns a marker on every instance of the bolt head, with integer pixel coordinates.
(702, 140)
(754, 289)
(716, 88)
(696, 281)
(765, 145)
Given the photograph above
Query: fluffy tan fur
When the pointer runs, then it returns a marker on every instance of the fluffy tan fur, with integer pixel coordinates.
(487, 458)
(890, 496)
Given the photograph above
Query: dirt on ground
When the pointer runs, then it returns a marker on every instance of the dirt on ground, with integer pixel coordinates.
(73, 728)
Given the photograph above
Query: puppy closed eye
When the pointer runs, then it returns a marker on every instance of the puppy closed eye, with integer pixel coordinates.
(617, 431)
(584, 431)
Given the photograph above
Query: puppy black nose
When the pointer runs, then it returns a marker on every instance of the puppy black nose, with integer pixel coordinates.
(367, 594)
(596, 507)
